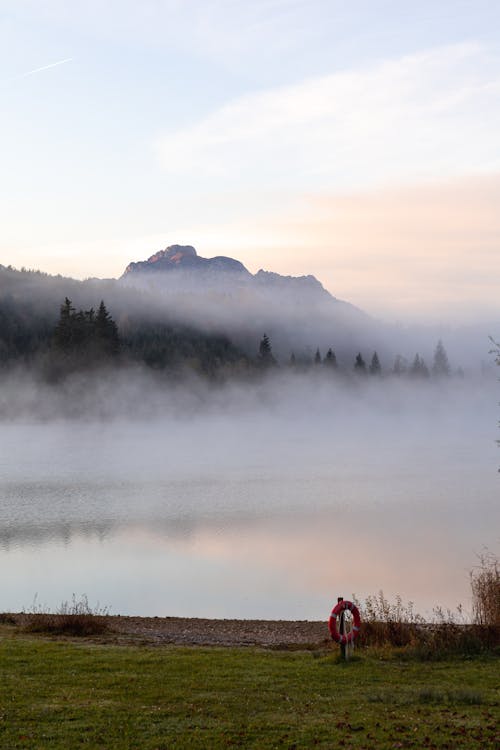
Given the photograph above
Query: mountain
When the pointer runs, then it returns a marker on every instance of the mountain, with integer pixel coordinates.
(184, 265)
(220, 294)
(185, 258)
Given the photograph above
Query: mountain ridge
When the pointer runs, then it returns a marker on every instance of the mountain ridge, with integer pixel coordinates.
(184, 257)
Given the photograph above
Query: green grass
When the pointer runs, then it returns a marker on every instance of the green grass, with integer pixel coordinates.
(59, 694)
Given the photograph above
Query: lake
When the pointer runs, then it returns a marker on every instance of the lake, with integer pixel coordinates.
(255, 505)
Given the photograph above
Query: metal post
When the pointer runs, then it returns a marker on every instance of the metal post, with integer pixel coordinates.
(343, 649)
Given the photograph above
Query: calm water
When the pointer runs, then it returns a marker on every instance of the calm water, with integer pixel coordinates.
(270, 511)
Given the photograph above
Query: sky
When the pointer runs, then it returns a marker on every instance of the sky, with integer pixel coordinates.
(355, 141)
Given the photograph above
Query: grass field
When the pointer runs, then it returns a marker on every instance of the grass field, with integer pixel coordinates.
(59, 694)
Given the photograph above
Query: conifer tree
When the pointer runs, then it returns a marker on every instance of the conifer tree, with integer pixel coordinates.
(419, 369)
(106, 332)
(400, 365)
(359, 364)
(293, 361)
(441, 366)
(265, 351)
(375, 368)
(330, 359)
(63, 334)
(84, 337)
(317, 357)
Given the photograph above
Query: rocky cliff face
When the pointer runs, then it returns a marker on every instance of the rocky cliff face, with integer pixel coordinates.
(220, 295)
(184, 258)
(220, 272)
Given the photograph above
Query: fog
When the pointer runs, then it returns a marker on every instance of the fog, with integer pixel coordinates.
(253, 493)
(298, 314)
(253, 498)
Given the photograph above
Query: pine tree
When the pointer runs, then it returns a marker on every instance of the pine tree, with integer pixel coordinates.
(317, 357)
(64, 334)
(400, 365)
(330, 359)
(375, 368)
(419, 369)
(265, 351)
(359, 364)
(293, 361)
(441, 366)
(106, 332)
(84, 337)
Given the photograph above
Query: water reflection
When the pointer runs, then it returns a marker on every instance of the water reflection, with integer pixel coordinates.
(255, 514)
(242, 563)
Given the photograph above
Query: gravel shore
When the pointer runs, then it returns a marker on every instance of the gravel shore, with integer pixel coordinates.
(204, 632)
(188, 631)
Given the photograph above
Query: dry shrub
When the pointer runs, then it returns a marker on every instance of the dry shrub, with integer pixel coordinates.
(75, 618)
(485, 585)
(387, 624)
(6, 618)
(397, 625)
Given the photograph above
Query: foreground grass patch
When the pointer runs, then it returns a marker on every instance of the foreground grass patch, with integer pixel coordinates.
(65, 695)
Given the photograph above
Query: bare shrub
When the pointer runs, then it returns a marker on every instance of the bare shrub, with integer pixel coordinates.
(6, 618)
(397, 625)
(385, 623)
(485, 585)
(76, 618)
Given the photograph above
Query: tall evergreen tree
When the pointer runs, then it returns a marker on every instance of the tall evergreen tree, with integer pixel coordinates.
(317, 357)
(64, 331)
(400, 365)
(375, 368)
(265, 351)
(293, 361)
(419, 369)
(441, 366)
(85, 337)
(330, 359)
(359, 364)
(106, 332)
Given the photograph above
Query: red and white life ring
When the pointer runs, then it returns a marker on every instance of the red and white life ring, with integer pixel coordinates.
(332, 622)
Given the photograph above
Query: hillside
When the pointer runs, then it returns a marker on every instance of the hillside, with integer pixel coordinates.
(220, 294)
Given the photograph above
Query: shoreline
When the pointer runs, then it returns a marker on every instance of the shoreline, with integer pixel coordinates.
(197, 631)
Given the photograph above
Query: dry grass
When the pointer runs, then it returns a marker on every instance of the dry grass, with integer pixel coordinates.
(75, 618)
(485, 585)
(397, 625)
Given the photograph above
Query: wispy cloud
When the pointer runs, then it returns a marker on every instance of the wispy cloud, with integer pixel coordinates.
(43, 67)
(433, 114)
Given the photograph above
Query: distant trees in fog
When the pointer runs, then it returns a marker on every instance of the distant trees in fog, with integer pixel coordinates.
(375, 367)
(441, 366)
(359, 365)
(417, 368)
(266, 358)
(86, 333)
(331, 359)
(79, 339)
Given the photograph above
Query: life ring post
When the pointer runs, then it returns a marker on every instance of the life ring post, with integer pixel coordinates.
(337, 625)
(344, 651)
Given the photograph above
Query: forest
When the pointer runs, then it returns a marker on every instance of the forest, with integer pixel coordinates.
(81, 340)
(54, 326)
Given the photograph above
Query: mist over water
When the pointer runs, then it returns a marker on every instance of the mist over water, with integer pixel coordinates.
(252, 499)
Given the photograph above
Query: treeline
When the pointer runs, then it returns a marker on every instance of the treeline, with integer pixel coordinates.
(81, 340)
(416, 368)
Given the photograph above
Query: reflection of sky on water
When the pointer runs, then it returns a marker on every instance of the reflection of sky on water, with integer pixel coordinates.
(272, 563)
(255, 516)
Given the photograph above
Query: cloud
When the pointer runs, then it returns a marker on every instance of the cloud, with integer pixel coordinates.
(433, 114)
(45, 67)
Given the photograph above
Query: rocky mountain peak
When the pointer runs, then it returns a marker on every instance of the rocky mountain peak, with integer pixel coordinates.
(173, 253)
(185, 258)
